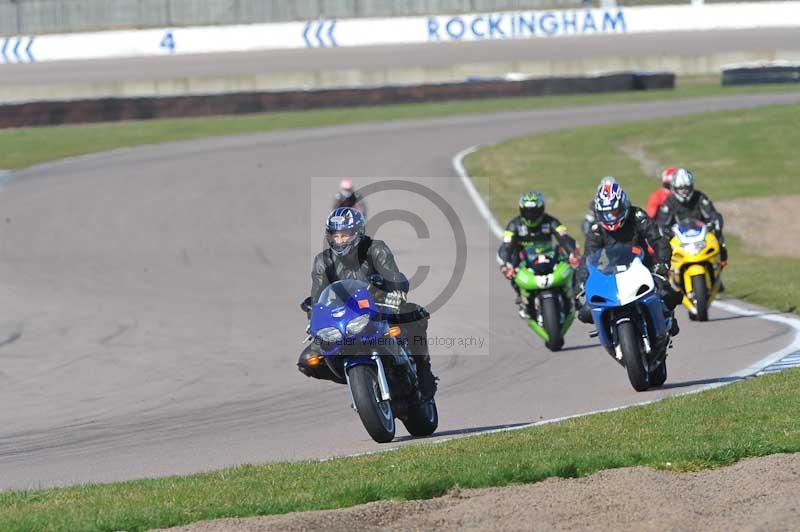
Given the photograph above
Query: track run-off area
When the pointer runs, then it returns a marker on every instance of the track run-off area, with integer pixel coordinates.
(151, 322)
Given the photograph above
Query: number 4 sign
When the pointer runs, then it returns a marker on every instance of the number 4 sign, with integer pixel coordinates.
(168, 42)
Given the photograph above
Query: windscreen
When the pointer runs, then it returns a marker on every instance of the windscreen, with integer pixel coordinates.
(339, 292)
(614, 258)
(690, 230)
(541, 258)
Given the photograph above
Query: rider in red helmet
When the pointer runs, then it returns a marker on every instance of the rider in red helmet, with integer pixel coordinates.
(660, 196)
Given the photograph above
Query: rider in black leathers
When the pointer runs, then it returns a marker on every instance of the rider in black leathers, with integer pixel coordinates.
(628, 225)
(348, 196)
(532, 226)
(688, 203)
(364, 258)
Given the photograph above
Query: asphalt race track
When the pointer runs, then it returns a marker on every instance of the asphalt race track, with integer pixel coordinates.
(245, 64)
(150, 321)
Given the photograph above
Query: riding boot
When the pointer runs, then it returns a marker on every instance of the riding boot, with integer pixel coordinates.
(427, 380)
(674, 329)
(518, 298)
(585, 314)
(311, 364)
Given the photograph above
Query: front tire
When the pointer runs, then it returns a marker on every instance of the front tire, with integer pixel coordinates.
(632, 355)
(423, 419)
(551, 317)
(700, 290)
(375, 414)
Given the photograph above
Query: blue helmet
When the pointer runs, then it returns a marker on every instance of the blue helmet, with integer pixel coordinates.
(611, 204)
(343, 229)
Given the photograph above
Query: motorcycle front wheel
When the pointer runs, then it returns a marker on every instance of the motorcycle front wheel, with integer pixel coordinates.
(376, 414)
(632, 355)
(551, 317)
(700, 296)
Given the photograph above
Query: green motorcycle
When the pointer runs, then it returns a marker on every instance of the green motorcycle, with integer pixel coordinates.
(544, 277)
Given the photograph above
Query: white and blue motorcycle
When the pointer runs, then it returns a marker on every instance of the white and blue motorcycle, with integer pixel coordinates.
(629, 313)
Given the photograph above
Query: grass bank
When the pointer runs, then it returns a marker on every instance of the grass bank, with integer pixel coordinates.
(734, 154)
(750, 418)
(27, 146)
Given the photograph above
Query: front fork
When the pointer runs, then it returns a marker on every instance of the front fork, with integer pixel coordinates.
(383, 384)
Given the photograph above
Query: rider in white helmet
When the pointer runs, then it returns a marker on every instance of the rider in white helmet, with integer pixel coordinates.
(687, 202)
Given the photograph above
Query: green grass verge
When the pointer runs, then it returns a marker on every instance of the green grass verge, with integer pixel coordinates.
(27, 146)
(751, 418)
(734, 154)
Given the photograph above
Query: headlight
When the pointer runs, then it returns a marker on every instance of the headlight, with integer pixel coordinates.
(357, 324)
(694, 248)
(329, 334)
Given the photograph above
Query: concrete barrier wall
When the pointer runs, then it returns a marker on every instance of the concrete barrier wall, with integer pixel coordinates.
(690, 65)
(113, 109)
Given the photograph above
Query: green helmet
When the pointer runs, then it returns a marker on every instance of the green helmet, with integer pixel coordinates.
(531, 208)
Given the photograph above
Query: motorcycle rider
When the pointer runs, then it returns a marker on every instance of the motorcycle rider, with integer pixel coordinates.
(532, 226)
(619, 222)
(687, 202)
(661, 195)
(351, 254)
(348, 197)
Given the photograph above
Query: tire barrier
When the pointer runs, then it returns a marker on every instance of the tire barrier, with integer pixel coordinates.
(757, 74)
(115, 109)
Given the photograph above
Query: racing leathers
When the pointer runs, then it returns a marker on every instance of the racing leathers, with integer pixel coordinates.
(520, 235)
(353, 199)
(656, 201)
(372, 257)
(697, 207)
(637, 230)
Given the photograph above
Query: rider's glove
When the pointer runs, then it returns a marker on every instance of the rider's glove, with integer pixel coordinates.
(394, 299)
(507, 270)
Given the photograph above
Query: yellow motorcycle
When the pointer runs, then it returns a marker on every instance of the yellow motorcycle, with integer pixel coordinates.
(696, 266)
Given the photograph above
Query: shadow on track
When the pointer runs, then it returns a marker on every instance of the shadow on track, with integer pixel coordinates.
(460, 432)
(686, 384)
(579, 347)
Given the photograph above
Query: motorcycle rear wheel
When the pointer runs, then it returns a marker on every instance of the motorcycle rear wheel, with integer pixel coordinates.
(423, 419)
(658, 376)
(632, 355)
(376, 415)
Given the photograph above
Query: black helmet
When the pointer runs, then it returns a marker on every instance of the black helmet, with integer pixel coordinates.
(531, 208)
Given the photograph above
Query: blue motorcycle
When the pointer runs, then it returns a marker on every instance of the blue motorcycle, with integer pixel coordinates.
(362, 347)
(629, 314)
